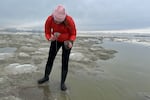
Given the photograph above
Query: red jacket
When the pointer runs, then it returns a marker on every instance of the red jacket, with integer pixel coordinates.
(68, 32)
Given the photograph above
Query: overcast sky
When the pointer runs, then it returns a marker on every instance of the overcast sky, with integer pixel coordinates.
(88, 14)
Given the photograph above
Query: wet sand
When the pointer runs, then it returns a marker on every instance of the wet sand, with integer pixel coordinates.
(99, 69)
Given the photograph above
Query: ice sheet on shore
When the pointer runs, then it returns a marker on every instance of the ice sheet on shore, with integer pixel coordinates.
(121, 36)
(86, 57)
(133, 41)
(134, 38)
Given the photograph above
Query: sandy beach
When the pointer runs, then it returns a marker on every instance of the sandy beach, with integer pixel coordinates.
(101, 67)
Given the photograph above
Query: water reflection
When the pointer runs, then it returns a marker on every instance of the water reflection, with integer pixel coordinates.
(8, 50)
(46, 92)
(50, 94)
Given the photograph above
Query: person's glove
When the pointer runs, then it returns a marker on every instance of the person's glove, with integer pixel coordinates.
(68, 44)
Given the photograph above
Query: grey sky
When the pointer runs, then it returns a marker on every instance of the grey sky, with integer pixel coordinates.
(88, 14)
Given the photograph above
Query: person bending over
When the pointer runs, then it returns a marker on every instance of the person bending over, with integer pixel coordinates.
(60, 29)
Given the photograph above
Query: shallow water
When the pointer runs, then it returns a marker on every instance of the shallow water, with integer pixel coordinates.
(99, 69)
(130, 68)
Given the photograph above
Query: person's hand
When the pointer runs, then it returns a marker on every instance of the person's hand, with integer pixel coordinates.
(53, 38)
(68, 44)
(56, 34)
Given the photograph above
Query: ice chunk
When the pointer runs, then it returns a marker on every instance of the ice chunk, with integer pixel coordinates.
(22, 54)
(7, 52)
(77, 56)
(144, 95)
(10, 98)
(27, 49)
(16, 68)
(43, 49)
(3, 41)
(1, 80)
(6, 55)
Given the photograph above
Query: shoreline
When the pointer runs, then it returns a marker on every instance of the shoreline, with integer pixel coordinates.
(103, 66)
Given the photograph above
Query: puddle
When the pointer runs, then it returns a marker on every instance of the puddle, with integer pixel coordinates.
(43, 92)
(7, 50)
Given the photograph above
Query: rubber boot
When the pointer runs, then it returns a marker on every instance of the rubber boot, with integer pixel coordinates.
(43, 80)
(63, 87)
(63, 78)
